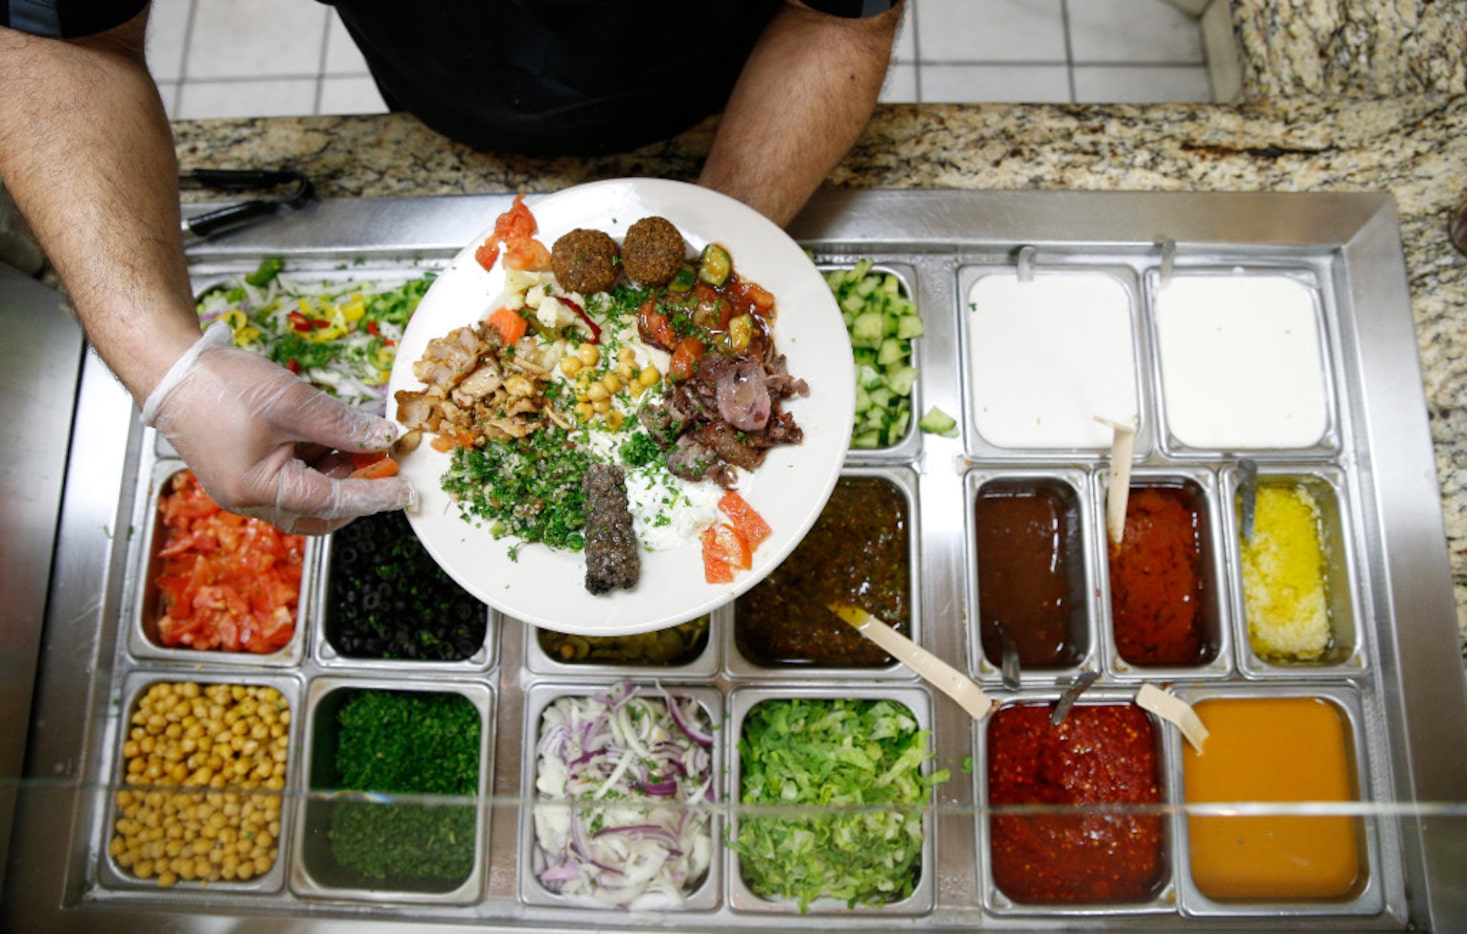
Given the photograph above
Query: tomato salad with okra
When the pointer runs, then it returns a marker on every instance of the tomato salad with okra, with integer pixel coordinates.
(617, 400)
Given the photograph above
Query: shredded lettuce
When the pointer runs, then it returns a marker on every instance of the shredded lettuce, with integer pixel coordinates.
(857, 765)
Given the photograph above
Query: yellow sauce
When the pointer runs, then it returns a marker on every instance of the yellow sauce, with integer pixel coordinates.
(1294, 749)
(1285, 585)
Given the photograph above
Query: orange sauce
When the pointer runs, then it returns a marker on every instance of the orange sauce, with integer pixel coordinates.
(1280, 749)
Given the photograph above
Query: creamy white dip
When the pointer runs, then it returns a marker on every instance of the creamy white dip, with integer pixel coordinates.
(1049, 355)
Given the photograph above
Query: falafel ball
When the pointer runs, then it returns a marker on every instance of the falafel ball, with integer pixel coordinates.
(653, 251)
(585, 261)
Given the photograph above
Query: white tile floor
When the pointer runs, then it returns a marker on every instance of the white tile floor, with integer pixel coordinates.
(216, 58)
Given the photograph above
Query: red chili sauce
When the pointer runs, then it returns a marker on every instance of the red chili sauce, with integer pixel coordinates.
(856, 553)
(1101, 754)
(1030, 573)
(1158, 592)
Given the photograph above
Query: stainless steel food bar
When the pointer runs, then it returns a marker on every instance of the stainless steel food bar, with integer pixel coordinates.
(1391, 669)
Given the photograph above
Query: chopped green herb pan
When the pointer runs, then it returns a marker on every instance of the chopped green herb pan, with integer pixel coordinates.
(409, 743)
(858, 765)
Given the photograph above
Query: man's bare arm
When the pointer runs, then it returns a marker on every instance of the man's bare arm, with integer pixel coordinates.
(803, 98)
(86, 151)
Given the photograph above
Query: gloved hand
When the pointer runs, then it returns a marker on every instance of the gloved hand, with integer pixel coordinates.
(265, 443)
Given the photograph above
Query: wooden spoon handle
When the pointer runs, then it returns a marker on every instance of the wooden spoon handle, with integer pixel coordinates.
(934, 670)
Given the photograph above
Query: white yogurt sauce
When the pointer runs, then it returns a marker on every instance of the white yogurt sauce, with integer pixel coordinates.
(1241, 362)
(1048, 356)
(668, 512)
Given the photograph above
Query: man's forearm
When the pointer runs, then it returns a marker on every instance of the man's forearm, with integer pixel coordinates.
(86, 152)
(801, 101)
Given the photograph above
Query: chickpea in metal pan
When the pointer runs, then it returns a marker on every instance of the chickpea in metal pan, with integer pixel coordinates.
(653, 251)
(585, 261)
(204, 766)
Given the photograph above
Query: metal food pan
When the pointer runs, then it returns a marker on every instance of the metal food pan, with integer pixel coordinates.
(314, 872)
(111, 875)
(1331, 441)
(825, 911)
(909, 446)
(982, 447)
(700, 660)
(999, 903)
(1382, 875)
(328, 656)
(1202, 486)
(1072, 486)
(142, 634)
(740, 667)
(704, 894)
(1347, 654)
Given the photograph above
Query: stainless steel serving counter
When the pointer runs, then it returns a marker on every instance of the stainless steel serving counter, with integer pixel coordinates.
(1404, 687)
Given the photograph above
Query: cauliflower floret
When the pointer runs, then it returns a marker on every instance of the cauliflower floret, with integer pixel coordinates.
(553, 313)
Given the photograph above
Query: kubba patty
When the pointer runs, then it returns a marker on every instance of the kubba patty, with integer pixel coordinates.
(653, 251)
(585, 261)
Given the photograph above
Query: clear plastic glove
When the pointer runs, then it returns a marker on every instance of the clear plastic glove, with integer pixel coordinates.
(265, 443)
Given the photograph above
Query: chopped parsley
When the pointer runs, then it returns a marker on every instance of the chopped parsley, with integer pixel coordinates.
(640, 450)
(528, 489)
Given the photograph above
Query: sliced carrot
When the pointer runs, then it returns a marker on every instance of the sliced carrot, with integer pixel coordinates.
(511, 325)
(450, 437)
(746, 521)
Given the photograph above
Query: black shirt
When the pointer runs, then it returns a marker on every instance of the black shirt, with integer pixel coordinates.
(531, 76)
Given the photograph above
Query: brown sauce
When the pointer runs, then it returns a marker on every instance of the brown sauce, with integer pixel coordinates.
(1030, 572)
(857, 552)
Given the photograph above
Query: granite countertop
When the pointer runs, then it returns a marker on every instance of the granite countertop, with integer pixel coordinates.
(1356, 95)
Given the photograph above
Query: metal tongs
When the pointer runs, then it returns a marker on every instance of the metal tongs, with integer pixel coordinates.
(296, 191)
(1072, 693)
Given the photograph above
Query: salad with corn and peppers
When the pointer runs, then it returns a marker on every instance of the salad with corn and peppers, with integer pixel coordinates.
(340, 335)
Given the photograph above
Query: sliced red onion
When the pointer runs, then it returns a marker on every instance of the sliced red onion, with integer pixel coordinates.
(696, 734)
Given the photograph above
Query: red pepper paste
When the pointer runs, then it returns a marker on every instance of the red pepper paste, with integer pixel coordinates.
(1157, 590)
(1101, 754)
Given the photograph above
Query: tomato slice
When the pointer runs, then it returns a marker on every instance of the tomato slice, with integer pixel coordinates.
(514, 228)
(654, 328)
(725, 543)
(746, 521)
(515, 224)
(227, 582)
(685, 358)
(526, 253)
(372, 465)
(716, 569)
(487, 254)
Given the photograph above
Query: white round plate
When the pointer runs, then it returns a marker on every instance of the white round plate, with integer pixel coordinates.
(545, 587)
